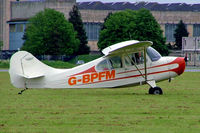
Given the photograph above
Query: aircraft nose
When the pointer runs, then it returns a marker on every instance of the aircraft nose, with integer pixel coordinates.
(181, 62)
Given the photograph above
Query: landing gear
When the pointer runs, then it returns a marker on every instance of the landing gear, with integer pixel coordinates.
(22, 91)
(155, 91)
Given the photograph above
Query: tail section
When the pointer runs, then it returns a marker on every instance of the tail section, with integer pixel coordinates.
(23, 66)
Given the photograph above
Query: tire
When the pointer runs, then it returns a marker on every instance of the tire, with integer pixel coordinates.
(155, 91)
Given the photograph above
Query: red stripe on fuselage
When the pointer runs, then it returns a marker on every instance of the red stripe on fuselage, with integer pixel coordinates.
(178, 61)
(90, 70)
(179, 70)
(125, 77)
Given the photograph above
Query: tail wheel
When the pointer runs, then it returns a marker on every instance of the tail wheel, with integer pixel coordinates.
(155, 91)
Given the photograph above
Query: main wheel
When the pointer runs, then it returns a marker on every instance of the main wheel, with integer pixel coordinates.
(155, 91)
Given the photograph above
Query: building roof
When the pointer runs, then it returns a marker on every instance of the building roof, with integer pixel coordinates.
(153, 6)
(93, 5)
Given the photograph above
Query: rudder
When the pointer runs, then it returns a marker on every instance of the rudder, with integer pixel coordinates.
(23, 66)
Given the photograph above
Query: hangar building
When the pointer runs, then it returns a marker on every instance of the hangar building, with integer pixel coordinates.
(14, 16)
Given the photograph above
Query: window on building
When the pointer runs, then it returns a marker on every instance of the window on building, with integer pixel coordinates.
(92, 30)
(25, 26)
(19, 27)
(169, 32)
(199, 57)
(12, 28)
(196, 30)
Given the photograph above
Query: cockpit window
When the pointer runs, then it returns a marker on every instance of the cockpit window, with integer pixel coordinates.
(153, 54)
(110, 63)
(134, 58)
(116, 62)
(103, 66)
(138, 58)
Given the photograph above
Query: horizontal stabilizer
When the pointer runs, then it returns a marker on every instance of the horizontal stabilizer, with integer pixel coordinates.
(24, 66)
(33, 76)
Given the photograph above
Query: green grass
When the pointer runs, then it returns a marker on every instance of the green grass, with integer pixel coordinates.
(59, 64)
(124, 110)
(4, 63)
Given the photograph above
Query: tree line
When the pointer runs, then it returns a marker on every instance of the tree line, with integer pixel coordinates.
(49, 33)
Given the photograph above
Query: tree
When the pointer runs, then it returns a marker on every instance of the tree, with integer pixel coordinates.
(108, 16)
(132, 25)
(117, 28)
(180, 32)
(75, 19)
(49, 33)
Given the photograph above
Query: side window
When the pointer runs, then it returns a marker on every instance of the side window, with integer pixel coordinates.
(127, 61)
(137, 58)
(103, 66)
(116, 62)
(141, 57)
(153, 54)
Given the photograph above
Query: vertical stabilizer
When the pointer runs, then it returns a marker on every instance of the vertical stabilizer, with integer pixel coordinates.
(24, 66)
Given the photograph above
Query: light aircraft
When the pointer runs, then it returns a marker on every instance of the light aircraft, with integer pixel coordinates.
(128, 63)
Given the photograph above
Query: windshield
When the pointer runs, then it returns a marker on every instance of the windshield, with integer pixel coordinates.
(153, 54)
(103, 66)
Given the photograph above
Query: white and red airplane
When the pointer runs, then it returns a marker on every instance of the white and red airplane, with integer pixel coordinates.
(127, 63)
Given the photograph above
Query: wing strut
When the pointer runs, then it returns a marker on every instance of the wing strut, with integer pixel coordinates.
(145, 65)
(150, 82)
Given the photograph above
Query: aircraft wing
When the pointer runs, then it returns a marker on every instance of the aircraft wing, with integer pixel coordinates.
(126, 47)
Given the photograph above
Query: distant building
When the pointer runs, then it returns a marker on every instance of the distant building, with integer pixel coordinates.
(4, 17)
(17, 13)
(21, 11)
(167, 15)
(191, 50)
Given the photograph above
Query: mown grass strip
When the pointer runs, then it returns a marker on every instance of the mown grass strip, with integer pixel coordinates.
(128, 109)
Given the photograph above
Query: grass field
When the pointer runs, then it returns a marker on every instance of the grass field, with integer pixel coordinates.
(123, 110)
(4, 64)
